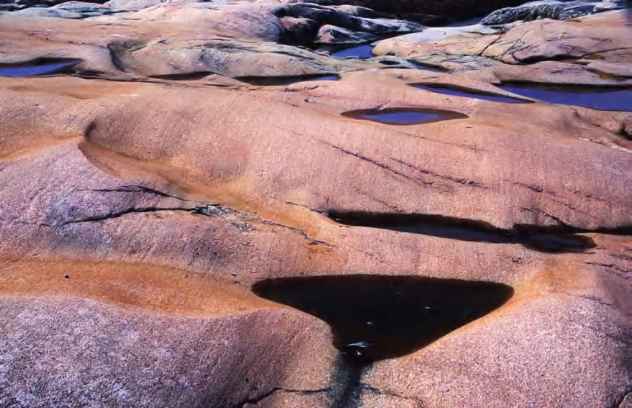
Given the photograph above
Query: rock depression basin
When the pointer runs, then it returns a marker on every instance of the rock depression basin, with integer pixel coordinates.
(197, 212)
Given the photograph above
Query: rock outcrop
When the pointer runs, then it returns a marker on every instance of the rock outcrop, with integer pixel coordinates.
(538, 51)
(450, 8)
(558, 10)
(161, 174)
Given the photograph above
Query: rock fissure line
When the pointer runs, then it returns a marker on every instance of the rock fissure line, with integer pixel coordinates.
(468, 147)
(558, 199)
(269, 393)
(494, 42)
(299, 231)
(378, 164)
(377, 200)
(622, 257)
(135, 188)
(457, 180)
(372, 389)
(516, 46)
(117, 214)
(616, 269)
(625, 338)
(546, 214)
(206, 209)
(589, 298)
(362, 387)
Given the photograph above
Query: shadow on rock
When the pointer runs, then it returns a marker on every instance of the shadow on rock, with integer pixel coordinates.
(538, 238)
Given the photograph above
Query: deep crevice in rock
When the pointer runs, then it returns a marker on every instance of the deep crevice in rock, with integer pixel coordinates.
(242, 221)
(117, 214)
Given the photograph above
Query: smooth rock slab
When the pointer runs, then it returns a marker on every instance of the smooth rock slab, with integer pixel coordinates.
(63, 352)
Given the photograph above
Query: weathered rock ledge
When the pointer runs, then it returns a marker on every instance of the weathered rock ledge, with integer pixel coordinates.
(176, 158)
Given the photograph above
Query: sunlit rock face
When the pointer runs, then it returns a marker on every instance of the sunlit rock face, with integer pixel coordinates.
(266, 204)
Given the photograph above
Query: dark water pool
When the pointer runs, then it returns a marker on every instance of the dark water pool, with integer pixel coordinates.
(403, 116)
(364, 51)
(37, 67)
(287, 80)
(475, 94)
(595, 97)
(378, 317)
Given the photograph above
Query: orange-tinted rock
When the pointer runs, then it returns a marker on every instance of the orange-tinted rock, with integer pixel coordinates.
(590, 50)
(142, 210)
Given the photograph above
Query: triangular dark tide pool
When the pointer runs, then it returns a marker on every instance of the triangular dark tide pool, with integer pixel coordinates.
(378, 317)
